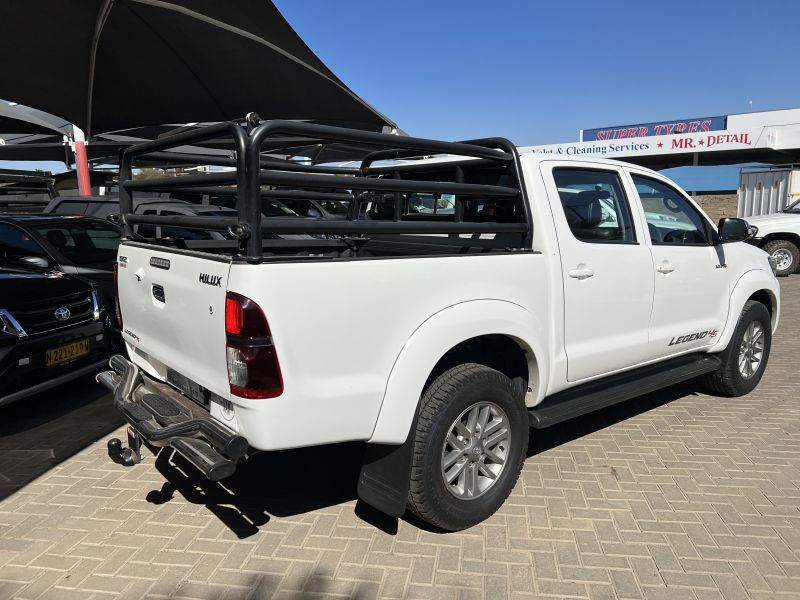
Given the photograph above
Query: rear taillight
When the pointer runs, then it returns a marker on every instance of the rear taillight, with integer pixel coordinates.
(234, 316)
(253, 369)
(116, 297)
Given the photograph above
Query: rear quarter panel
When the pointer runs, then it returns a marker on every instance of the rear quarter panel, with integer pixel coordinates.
(339, 328)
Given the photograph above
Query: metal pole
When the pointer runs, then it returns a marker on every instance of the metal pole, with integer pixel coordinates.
(81, 162)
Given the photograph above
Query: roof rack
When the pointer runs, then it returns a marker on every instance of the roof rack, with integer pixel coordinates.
(305, 181)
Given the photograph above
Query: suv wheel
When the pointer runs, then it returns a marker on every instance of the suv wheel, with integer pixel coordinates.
(745, 358)
(470, 442)
(786, 254)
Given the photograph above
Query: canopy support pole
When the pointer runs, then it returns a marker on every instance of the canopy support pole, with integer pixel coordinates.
(81, 162)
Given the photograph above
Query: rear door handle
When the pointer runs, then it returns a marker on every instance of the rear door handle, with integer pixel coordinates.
(665, 267)
(581, 272)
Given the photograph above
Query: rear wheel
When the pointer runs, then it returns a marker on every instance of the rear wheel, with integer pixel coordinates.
(470, 442)
(745, 358)
(786, 255)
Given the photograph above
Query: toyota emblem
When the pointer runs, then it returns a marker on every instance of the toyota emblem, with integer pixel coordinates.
(62, 313)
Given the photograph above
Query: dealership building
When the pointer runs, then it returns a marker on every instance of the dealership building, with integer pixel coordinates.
(768, 137)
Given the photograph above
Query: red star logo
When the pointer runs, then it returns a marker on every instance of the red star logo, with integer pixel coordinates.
(701, 142)
(660, 145)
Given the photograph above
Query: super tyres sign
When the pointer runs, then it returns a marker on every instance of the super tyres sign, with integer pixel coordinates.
(701, 125)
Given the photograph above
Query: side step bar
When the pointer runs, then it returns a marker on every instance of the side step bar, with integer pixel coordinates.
(611, 390)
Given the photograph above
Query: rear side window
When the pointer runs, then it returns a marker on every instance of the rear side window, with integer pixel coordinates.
(83, 243)
(70, 207)
(304, 208)
(104, 209)
(170, 231)
(276, 208)
(595, 205)
(148, 231)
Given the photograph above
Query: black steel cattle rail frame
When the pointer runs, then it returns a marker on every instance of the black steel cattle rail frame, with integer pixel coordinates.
(253, 170)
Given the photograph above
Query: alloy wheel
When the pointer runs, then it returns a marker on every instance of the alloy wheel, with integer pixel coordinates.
(751, 350)
(475, 450)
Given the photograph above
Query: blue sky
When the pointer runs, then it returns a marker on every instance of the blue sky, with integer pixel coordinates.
(537, 72)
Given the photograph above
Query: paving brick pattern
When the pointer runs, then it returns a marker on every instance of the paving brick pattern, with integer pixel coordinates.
(676, 495)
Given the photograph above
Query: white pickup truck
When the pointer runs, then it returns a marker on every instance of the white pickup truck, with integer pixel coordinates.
(779, 236)
(437, 339)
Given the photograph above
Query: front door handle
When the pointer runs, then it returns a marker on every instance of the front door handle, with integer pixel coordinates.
(581, 272)
(665, 267)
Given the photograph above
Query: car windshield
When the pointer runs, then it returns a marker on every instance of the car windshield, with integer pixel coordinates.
(794, 207)
(82, 242)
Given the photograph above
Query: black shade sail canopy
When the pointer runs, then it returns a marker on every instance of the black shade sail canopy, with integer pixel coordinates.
(20, 121)
(108, 65)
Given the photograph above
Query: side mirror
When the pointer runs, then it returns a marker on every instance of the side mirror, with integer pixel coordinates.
(735, 230)
(35, 261)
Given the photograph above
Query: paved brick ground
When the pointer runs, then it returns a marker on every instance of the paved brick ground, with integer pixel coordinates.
(677, 495)
(39, 432)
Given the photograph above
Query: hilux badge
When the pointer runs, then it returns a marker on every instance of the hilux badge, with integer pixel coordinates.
(211, 279)
(62, 313)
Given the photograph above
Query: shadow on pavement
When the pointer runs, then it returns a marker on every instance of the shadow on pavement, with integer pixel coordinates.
(281, 483)
(542, 440)
(39, 432)
(292, 482)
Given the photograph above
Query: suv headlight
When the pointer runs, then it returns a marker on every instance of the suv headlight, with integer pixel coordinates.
(95, 306)
(9, 325)
(773, 264)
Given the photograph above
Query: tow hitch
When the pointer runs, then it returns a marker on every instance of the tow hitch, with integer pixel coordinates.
(159, 420)
(130, 455)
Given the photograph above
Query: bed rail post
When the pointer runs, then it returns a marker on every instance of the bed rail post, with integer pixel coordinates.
(125, 198)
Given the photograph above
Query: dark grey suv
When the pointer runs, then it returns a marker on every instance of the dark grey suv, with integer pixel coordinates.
(75, 245)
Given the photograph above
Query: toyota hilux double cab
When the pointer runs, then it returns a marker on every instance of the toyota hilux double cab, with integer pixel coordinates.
(455, 333)
(779, 236)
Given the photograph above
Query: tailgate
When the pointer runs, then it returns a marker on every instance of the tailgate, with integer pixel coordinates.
(173, 310)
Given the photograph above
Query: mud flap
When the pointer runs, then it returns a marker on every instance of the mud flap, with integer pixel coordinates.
(385, 476)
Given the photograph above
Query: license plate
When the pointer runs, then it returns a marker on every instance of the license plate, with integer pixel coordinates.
(62, 354)
(195, 391)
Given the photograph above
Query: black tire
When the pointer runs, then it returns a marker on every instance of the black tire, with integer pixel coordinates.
(784, 248)
(450, 395)
(728, 380)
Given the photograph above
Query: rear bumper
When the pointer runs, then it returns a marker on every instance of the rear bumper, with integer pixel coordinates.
(162, 416)
(23, 371)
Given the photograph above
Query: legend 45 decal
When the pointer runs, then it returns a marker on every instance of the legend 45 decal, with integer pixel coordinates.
(691, 337)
